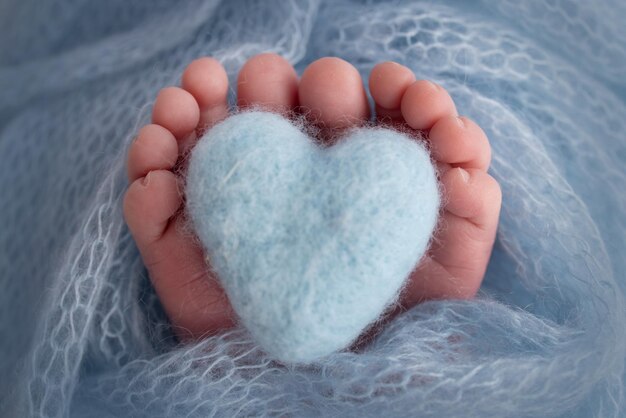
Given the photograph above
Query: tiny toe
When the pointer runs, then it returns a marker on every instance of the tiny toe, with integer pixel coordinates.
(191, 294)
(461, 142)
(468, 229)
(388, 82)
(149, 204)
(424, 103)
(177, 111)
(268, 81)
(155, 148)
(207, 81)
(457, 259)
(474, 195)
(332, 91)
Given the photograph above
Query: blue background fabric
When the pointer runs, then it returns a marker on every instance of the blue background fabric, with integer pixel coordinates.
(81, 331)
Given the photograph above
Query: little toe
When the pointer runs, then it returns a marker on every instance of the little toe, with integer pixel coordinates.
(193, 299)
(149, 204)
(474, 195)
(388, 82)
(207, 81)
(155, 148)
(457, 259)
(191, 295)
(268, 81)
(332, 91)
(459, 141)
(467, 230)
(176, 110)
(424, 103)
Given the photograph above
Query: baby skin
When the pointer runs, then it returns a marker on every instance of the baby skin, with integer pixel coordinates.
(332, 94)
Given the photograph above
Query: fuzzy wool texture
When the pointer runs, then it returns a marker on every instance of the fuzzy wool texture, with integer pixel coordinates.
(311, 244)
(82, 333)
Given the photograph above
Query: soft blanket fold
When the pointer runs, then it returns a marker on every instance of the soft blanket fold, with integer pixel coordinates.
(81, 331)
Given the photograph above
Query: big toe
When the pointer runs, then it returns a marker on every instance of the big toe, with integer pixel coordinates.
(268, 81)
(332, 92)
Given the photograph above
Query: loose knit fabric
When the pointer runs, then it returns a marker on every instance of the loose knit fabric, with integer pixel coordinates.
(311, 244)
(81, 331)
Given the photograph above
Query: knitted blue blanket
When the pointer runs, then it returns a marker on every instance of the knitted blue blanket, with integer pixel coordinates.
(81, 330)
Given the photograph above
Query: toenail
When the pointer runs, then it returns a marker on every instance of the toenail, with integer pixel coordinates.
(432, 84)
(460, 121)
(464, 175)
(146, 180)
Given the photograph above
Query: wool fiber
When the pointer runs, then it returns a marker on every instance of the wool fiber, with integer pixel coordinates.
(311, 244)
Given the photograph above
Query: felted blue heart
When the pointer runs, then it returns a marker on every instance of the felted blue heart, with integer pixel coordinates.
(311, 244)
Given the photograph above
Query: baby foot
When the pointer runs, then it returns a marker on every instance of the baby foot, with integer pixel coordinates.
(457, 259)
(331, 90)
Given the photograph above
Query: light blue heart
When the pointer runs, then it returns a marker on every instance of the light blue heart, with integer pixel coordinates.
(311, 244)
